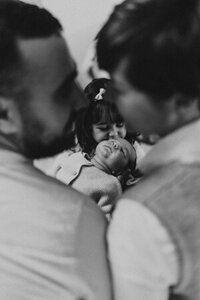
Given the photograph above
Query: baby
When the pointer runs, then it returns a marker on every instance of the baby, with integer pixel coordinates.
(114, 156)
(100, 176)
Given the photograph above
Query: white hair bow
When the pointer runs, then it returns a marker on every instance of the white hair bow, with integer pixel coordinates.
(99, 96)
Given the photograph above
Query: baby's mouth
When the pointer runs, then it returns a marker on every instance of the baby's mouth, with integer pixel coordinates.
(108, 148)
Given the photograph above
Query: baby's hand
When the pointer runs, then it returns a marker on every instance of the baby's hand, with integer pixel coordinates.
(122, 177)
(106, 207)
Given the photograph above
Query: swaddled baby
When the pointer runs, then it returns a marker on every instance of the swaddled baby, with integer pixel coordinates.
(100, 176)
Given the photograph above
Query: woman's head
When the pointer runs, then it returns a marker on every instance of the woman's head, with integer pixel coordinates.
(100, 120)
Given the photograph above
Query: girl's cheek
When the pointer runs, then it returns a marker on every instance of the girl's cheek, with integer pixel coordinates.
(104, 135)
(122, 133)
(100, 136)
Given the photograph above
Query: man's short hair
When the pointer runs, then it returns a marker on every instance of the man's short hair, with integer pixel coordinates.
(161, 41)
(19, 20)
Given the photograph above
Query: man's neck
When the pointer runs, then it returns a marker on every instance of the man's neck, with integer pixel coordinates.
(6, 143)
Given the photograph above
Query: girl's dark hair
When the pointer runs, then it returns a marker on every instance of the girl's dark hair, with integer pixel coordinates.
(98, 111)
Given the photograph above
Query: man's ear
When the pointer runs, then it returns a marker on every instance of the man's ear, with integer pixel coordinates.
(8, 116)
(186, 108)
(182, 101)
(183, 110)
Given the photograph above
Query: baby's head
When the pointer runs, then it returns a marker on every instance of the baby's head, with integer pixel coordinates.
(115, 155)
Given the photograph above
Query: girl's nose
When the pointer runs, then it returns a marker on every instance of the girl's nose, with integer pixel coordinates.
(113, 133)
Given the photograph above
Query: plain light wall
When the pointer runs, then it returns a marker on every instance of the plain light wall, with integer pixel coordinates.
(81, 20)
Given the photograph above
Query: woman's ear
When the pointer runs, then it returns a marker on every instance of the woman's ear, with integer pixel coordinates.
(9, 116)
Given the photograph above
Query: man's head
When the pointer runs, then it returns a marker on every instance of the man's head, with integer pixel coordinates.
(152, 50)
(115, 155)
(38, 94)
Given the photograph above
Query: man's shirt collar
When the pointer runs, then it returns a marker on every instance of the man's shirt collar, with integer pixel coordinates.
(183, 145)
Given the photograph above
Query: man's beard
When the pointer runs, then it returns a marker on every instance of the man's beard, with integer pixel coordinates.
(35, 144)
(35, 148)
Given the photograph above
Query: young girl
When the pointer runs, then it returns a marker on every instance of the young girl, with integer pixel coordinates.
(98, 123)
(100, 120)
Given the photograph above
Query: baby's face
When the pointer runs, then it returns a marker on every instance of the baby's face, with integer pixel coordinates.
(115, 154)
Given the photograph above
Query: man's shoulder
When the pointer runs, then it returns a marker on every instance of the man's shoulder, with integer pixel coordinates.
(35, 186)
(165, 178)
(50, 198)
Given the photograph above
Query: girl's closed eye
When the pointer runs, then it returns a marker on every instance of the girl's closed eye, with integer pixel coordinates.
(119, 125)
(103, 127)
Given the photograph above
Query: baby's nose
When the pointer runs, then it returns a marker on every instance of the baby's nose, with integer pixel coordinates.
(115, 145)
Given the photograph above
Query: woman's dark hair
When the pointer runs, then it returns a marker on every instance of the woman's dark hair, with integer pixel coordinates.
(160, 40)
(98, 111)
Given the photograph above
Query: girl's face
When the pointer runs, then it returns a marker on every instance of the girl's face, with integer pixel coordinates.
(106, 131)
